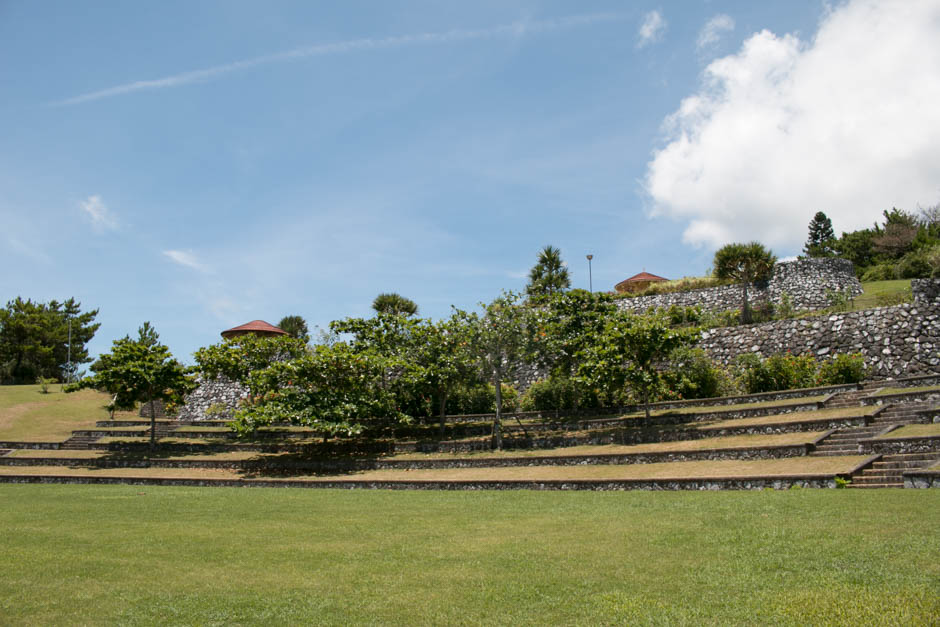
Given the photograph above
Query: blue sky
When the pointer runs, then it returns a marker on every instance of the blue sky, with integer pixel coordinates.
(201, 164)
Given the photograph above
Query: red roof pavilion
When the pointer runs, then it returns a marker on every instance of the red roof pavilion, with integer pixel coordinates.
(255, 327)
(638, 282)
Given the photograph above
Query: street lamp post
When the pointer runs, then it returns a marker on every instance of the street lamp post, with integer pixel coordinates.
(590, 276)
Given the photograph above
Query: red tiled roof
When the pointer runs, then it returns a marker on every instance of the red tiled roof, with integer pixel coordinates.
(255, 326)
(645, 276)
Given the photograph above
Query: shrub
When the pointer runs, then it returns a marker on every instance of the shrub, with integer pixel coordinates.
(777, 372)
(842, 369)
(557, 393)
(913, 266)
(44, 383)
(480, 399)
(879, 272)
(694, 375)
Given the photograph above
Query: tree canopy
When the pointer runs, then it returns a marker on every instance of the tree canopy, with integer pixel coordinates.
(392, 303)
(821, 237)
(34, 339)
(296, 327)
(139, 369)
(549, 275)
(745, 263)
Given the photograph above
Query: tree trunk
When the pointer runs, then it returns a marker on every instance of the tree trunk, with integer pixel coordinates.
(443, 412)
(497, 439)
(746, 309)
(153, 425)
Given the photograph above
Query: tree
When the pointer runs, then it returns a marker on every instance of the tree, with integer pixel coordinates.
(897, 236)
(497, 340)
(296, 327)
(34, 338)
(392, 303)
(821, 237)
(139, 370)
(745, 263)
(549, 275)
(566, 325)
(629, 351)
(236, 358)
(442, 350)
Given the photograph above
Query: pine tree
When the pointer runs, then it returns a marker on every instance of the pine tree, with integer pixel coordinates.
(821, 237)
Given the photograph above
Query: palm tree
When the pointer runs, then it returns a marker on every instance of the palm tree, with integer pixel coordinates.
(549, 275)
(745, 263)
(392, 303)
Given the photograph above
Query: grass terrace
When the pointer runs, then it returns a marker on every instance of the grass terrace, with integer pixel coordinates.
(913, 390)
(913, 431)
(833, 413)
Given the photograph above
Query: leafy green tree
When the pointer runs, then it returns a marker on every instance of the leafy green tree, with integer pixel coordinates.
(333, 389)
(549, 275)
(857, 247)
(238, 357)
(745, 263)
(392, 303)
(566, 325)
(821, 237)
(34, 338)
(630, 351)
(296, 327)
(897, 236)
(139, 369)
(498, 339)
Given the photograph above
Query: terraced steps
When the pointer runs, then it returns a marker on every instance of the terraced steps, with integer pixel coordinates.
(80, 440)
(888, 471)
(845, 441)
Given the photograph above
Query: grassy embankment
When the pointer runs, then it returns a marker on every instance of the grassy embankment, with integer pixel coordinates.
(147, 555)
(27, 415)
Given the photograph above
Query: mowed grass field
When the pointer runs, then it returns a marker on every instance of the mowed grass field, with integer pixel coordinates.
(145, 555)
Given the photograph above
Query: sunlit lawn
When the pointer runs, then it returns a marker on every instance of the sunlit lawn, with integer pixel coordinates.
(27, 415)
(147, 555)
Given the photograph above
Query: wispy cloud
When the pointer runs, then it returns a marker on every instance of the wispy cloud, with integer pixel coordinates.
(98, 213)
(713, 30)
(651, 29)
(514, 29)
(186, 259)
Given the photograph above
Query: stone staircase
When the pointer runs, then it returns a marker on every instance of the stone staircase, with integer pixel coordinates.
(79, 442)
(888, 471)
(847, 399)
(845, 441)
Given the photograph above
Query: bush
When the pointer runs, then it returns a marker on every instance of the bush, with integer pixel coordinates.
(557, 393)
(480, 399)
(694, 375)
(914, 266)
(880, 272)
(842, 369)
(777, 372)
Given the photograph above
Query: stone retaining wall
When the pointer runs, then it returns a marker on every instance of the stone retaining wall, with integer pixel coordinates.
(809, 283)
(220, 392)
(730, 483)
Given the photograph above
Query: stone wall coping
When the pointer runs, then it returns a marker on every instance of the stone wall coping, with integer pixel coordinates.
(823, 436)
(677, 483)
(31, 445)
(864, 464)
(922, 472)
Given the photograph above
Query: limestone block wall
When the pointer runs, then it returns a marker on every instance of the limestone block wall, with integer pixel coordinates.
(896, 341)
(809, 283)
(221, 391)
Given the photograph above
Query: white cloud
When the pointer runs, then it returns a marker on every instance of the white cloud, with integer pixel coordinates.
(651, 29)
(713, 30)
(515, 29)
(98, 213)
(186, 259)
(847, 124)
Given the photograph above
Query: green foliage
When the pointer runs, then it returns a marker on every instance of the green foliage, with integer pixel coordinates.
(684, 284)
(44, 383)
(238, 357)
(558, 393)
(842, 483)
(628, 352)
(879, 272)
(34, 338)
(777, 372)
(394, 304)
(746, 263)
(296, 327)
(566, 324)
(849, 368)
(549, 275)
(821, 237)
(138, 370)
(333, 389)
(693, 375)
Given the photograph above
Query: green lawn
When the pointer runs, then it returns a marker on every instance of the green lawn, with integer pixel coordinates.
(146, 555)
(882, 293)
(26, 415)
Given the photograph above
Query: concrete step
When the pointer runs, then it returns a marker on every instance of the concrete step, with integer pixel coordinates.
(911, 457)
(869, 486)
